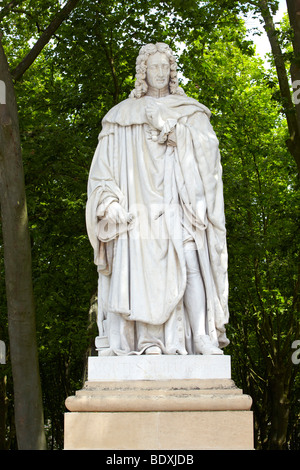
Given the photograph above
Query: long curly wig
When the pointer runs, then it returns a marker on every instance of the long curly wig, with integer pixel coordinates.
(141, 85)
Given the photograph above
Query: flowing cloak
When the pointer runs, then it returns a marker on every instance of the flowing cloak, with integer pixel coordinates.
(141, 265)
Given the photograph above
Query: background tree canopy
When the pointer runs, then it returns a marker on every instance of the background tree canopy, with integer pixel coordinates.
(88, 66)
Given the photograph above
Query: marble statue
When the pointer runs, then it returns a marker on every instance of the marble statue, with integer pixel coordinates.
(155, 219)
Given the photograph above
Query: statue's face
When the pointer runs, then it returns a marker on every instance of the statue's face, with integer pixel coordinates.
(158, 70)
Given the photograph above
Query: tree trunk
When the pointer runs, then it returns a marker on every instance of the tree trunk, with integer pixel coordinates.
(18, 277)
(280, 409)
(293, 143)
(294, 17)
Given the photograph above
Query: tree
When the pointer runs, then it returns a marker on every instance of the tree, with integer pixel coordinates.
(261, 195)
(293, 7)
(17, 253)
(266, 8)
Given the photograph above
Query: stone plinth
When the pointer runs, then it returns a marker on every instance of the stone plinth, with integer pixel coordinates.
(206, 430)
(143, 407)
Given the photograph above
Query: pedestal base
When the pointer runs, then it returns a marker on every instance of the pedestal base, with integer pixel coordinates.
(179, 413)
(191, 430)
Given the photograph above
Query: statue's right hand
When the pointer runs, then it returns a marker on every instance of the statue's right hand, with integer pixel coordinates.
(116, 214)
(153, 113)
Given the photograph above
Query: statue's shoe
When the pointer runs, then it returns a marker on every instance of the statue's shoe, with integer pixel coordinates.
(203, 345)
(153, 350)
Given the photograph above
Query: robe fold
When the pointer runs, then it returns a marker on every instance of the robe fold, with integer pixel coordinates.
(170, 181)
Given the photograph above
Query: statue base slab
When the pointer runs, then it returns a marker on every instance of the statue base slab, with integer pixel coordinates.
(160, 367)
(184, 413)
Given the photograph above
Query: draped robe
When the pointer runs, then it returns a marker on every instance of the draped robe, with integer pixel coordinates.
(170, 180)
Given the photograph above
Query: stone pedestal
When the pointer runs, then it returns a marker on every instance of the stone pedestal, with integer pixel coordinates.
(159, 402)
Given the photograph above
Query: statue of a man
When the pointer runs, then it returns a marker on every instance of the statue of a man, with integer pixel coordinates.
(155, 218)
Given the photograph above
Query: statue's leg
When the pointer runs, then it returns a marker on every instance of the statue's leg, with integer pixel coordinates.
(195, 303)
(150, 338)
(194, 298)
